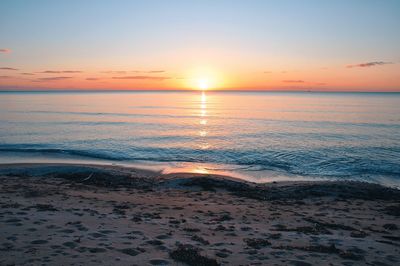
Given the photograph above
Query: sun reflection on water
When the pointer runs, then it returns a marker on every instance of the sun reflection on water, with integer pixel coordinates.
(200, 170)
(203, 122)
(203, 97)
(202, 133)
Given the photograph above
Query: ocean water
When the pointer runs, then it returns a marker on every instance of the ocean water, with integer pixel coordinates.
(259, 136)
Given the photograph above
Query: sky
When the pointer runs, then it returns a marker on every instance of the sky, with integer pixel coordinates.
(341, 45)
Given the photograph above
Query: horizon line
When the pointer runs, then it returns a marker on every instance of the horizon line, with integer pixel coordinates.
(192, 90)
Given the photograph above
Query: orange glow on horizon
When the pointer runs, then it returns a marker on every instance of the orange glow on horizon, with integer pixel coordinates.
(336, 78)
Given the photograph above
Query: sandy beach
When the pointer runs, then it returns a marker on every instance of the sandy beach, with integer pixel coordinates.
(86, 215)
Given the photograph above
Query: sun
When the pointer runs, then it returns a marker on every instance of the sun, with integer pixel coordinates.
(203, 84)
(203, 78)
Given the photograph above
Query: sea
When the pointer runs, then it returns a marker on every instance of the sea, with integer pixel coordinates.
(256, 136)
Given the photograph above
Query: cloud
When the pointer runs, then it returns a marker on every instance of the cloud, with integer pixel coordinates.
(142, 77)
(27, 74)
(369, 64)
(50, 72)
(134, 71)
(5, 50)
(53, 79)
(8, 68)
(154, 71)
(267, 72)
(5, 77)
(293, 81)
(114, 72)
(92, 78)
(71, 71)
(60, 71)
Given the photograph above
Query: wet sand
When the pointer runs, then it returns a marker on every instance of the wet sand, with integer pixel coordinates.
(54, 214)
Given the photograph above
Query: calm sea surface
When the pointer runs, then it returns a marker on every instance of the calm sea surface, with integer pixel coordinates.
(261, 136)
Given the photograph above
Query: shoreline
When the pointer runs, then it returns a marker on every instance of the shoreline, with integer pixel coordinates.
(125, 173)
(182, 167)
(87, 214)
(161, 170)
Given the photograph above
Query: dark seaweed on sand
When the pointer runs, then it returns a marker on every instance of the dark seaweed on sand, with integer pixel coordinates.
(331, 249)
(191, 256)
(337, 189)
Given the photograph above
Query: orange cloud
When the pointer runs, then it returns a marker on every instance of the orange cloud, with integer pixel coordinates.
(156, 71)
(151, 71)
(114, 72)
(5, 50)
(133, 71)
(293, 81)
(142, 77)
(60, 71)
(52, 79)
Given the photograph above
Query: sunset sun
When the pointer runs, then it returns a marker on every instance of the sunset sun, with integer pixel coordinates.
(203, 84)
(204, 78)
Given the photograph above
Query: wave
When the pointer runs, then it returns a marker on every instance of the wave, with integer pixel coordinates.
(323, 162)
(81, 153)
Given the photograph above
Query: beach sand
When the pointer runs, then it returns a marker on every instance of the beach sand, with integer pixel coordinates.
(58, 214)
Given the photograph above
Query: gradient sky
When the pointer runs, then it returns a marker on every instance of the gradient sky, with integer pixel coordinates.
(272, 45)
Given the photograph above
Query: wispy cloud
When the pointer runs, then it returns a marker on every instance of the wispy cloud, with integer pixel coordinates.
(293, 81)
(267, 72)
(5, 50)
(156, 71)
(134, 71)
(60, 71)
(149, 71)
(27, 74)
(303, 81)
(370, 64)
(50, 72)
(92, 78)
(5, 77)
(53, 79)
(114, 72)
(72, 71)
(8, 68)
(142, 77)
